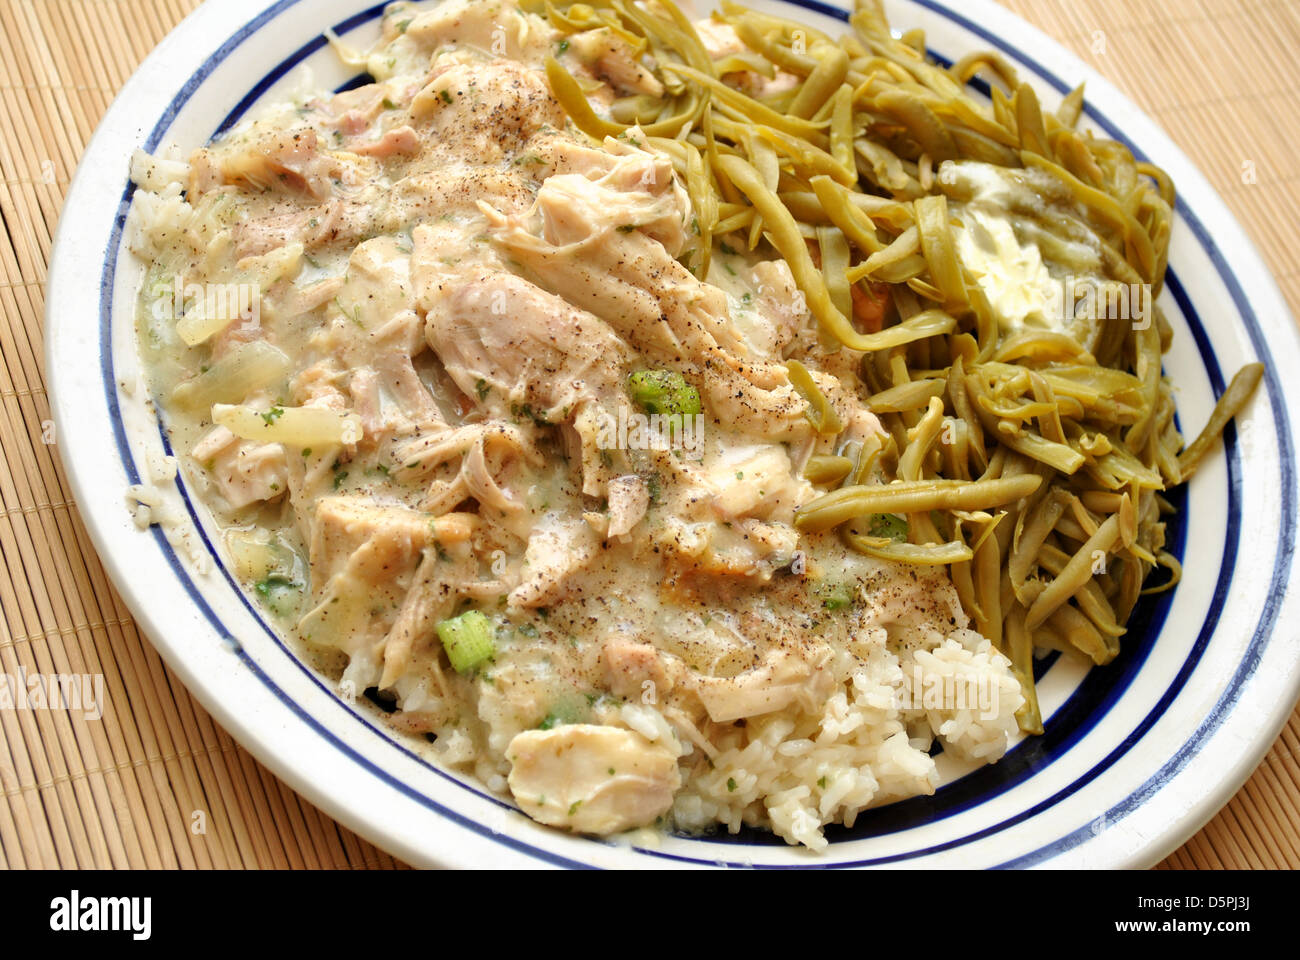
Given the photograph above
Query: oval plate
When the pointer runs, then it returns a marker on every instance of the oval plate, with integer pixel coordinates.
(1136, 756)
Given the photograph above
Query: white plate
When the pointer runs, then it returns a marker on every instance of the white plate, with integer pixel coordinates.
(1136, 756)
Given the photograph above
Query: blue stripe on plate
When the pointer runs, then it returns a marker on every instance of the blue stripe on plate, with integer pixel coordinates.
(954, 797)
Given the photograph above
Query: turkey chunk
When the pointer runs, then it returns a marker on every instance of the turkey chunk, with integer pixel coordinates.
(513, 345)
(485, 114)
(591, 779)
(782, 679)
(557, 550)
(244, 471)
(291, 162)
(757, 481)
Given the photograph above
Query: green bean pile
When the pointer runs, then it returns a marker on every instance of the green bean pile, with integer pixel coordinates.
(1032, 463)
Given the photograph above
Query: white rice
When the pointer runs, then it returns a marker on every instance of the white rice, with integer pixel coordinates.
(797, 773)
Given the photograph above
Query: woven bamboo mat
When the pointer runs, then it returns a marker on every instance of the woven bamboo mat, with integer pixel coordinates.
(122, 792)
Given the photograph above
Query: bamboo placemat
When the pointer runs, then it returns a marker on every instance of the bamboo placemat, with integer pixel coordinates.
(123, 792)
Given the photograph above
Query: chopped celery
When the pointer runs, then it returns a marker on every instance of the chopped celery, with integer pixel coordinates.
(468, 640)
(838, 596)
(664, 391)
(889, 526)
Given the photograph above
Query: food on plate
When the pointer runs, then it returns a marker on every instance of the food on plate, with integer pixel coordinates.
(680, 423)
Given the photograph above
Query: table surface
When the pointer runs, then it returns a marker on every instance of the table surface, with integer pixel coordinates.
(1218, 75)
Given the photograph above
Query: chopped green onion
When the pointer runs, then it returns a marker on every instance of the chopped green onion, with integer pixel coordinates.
(279, 593)
(468, 640)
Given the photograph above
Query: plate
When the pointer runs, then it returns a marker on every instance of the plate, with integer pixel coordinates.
(1136, 756)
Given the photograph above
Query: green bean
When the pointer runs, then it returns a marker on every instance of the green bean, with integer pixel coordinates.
(919, 441)
(986, 571)
(744, 62)
(939, 247)
(1071, 107)
(903, 271)
(883, 167)
(1041, 345)
(565, 89)
(1081, 634)
(1073, 154)
(1020, 651)
(1233, 400)
(842, 131)
(805, 206)
(961, 404)
(1168, 560)
(571, 97)
(771, 23)
(738, 221)
(917, 496)
(972, 145)
(821, 414)
(1163, 182)
(904, 245)
(1147, 367)
(853, 223)
(1058, 456)
(919, 554)
(1029, 538)
(834, 250)
(832, 67)
(808, 160)
(1076, 573)
(906, 396)
(781, 56)
(1106, 207)
(751, 108)
(892, 213)
(1004, 115)
(1029, 121)
(921, 122)
(964, 69)
(677, 32)
(825, 470)
(1118, 468)
(956, 449)
(1089, 598)
(642, 108)
(868, 451)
